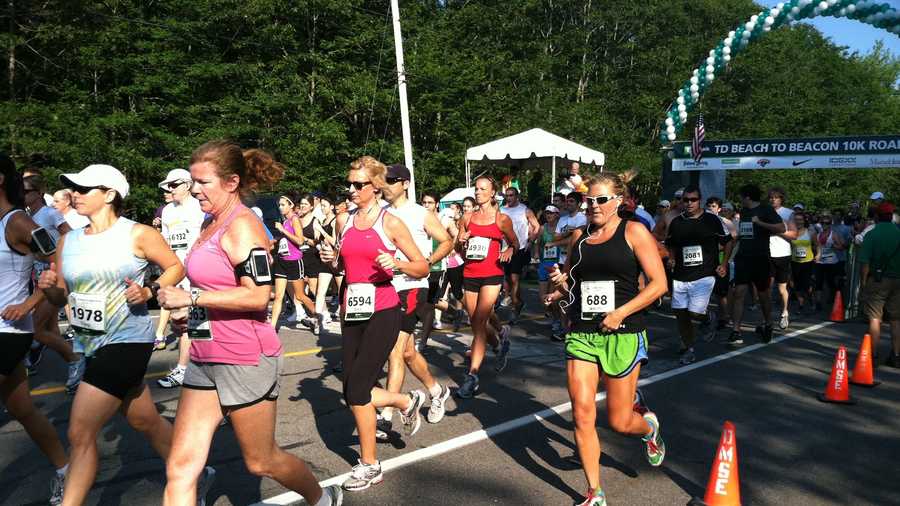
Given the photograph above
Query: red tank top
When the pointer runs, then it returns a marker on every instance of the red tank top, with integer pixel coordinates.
(359, 248)
(490, 265)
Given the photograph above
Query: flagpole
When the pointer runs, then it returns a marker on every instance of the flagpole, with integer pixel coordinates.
(404, 106)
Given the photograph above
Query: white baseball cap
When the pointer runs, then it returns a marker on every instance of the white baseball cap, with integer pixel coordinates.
(552, 209)
(799, 206)
(876, 196)
(173, 176)
(93, 176)
(679, 192)
(664, 203)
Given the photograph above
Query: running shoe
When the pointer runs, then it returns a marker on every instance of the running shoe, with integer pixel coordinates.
(710, 327)
(159, 343)
(656, 447)
(517, 313)
(503, 352)
(174, 379)
(411, 418)
(438, 405)
(363, 476)
(35, 355)
(204, 484)
(640, 404)
(765, 333)
(735, 339)
(76, 371)
(457, 321)
(69, 335)
(57, 485)
(593, 498)
(335, 495)
(469, 387)
(686, 356)
(383, 427)
(309, 323)
(437, 325)
(785, 321)
(317, 324)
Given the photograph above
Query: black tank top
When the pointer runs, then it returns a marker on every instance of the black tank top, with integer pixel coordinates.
(309, 232)
(613, 260)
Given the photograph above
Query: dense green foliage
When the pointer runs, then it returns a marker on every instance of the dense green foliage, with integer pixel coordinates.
(139, 84)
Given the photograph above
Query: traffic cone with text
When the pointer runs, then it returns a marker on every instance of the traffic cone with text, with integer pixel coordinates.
(838, 388)
(724, 488)
(837, 309)
(863, 372)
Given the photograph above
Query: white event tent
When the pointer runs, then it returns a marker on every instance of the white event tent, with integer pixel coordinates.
(533, 147)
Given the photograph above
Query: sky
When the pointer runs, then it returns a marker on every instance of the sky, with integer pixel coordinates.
(851, 33)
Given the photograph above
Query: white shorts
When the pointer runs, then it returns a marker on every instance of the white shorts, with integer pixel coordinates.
(692, 295)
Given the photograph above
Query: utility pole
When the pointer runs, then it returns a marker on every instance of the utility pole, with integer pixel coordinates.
(404, 107)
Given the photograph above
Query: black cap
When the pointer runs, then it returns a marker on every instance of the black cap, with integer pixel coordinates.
(398, 171)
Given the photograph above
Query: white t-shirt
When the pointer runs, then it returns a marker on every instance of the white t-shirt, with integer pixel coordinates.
(181, 225)
(413, 215)
(779, 247)
(76, 220)
(569, 222)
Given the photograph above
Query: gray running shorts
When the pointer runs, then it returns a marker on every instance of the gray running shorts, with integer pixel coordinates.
(238, 386)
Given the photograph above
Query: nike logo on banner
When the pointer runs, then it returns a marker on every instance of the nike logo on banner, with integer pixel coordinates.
(801, 162)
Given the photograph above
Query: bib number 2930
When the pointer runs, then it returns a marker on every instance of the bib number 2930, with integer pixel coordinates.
(597, 299)
(360, 302)
(477, 248)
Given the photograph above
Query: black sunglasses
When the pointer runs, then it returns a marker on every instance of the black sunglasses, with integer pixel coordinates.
(599, 200)
(84, 190)
(358, 185)
(394, 180)
(690, 199)
(175, 184)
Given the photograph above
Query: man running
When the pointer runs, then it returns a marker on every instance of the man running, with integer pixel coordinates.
(693, 242)
(424, 227)
(780, 251)
(527, 228)
(181, 222)
(751, 262)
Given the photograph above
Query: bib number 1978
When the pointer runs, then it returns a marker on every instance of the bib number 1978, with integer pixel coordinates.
(88, 312)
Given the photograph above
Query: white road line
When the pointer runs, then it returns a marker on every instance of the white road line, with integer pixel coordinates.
(480, 435)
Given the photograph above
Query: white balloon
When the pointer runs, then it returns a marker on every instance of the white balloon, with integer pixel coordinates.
(769, 21)
(694, 89)
(682, 108)
(780, 6)
(696, 71)
(695, 79)
(671, 129)
(775, 12)
(749, 25)
(795, 11)
(680, 99)
(731, 34)
(710, 60)
(669, 121)
(727, 58)
(726, 50)
(683, 116)
(823, 5)
(727, 42)
(671, 137)
(710, 69)
(710, 77)
(753, 18)
(851, 9)
(832, 3)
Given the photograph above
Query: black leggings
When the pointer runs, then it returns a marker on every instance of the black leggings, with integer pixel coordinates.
(454, 278)
(367, 346)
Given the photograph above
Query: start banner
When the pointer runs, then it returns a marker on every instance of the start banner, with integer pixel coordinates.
(860, 152)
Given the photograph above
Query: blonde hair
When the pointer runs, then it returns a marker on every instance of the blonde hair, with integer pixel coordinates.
(255, 168)
(373, 168)
(494, 187)
(619, 182)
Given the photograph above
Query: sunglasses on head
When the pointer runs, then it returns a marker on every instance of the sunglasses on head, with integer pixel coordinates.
(357, 185)
(690, 199)
(599, 200)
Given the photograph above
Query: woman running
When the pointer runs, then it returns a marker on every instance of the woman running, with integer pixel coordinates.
(481, 234)
(452, 284)
(829, 268)
(326, 245)
(110, 318)
(236, 357)
(371, 317)
(607, 337)
(803, 252)
(288, 264)
(312, 263)
(548, 252)
(17, 256)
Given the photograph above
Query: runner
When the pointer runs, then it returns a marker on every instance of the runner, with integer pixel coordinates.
(722, 289)
(829, 268)
(312, 264)
(780, 252)
(693, 242)
(371, 311)
(758, 222)
(480, 236)
(235, 355)
(803, 254)
(181, 221)
(549, 253)
(112, 325)
(17, 251)
(452, 280)
(607, 338)
(527, 228)
(327, 241)
(570, 222)
(436, 274)
(288, 264)
(62, 202)
(413, 293)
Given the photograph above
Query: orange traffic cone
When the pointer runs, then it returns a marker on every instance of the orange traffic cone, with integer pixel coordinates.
(837, 310)
(724, 487)
(838, 388)
(863, 373)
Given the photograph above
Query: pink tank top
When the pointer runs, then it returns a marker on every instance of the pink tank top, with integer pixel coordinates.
(238, 337)
(359, 248)
(294, 252)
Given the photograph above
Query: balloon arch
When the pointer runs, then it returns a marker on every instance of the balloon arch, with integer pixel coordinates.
(872, 13)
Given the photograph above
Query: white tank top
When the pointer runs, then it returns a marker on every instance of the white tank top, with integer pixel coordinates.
(181, 224)
(413, 216)
(519, 218)
(15, 272)
(778, 247)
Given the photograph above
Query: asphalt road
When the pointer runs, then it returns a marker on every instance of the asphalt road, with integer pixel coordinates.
(492, 450)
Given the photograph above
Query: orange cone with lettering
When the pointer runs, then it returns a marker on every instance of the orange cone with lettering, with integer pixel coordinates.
(837, 309)
(863, 372)
(838, 388)
(724, 488)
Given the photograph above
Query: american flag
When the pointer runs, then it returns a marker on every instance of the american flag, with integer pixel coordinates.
(699, 135)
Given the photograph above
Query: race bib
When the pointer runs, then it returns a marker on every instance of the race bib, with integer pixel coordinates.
(746, 230)
(692, 256)
(178, 238)
(88, 311)
(360, 305)
(199, 328)
(597, 299)
(283, 246)
(551, 252)
(477, 248)
(828, 256)
(800, 252)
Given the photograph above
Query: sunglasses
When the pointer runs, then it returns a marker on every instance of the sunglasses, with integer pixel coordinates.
(84, 190)
(599, 200)
(357, 185)
(690, 199)
(171, 186)
(394, 180)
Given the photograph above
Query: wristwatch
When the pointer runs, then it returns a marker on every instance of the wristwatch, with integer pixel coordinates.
(195, 295)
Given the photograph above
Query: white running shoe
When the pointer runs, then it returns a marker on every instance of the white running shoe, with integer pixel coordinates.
(363, 476)
(438, 405)
(174, 379)
(411, 418)
(57, 485)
